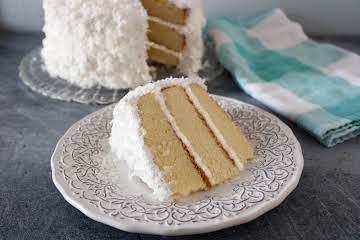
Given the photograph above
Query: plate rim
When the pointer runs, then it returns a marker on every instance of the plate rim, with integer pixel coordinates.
(198, 228)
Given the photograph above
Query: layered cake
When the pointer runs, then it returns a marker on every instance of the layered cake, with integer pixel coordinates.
(109, 42)
(177, 139)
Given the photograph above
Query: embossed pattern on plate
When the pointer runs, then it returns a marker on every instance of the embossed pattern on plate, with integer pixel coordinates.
(77, 173)
(33, 73)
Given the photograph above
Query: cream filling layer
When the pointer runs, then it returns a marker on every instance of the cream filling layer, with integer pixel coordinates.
(182, 137)
(176, 27)
(164, 49)
(220, 137)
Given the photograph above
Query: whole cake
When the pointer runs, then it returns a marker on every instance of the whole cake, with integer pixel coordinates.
(108, 42)
(176, 138)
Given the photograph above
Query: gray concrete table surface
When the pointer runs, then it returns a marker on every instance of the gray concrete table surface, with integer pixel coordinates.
(325, 205)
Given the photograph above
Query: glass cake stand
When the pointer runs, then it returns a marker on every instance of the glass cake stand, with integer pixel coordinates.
(34, 74)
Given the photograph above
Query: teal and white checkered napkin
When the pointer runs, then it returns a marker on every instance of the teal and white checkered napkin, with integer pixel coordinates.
(315, 85)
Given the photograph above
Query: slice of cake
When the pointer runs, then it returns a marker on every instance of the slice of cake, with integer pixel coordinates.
(176, 138)
(108, 43)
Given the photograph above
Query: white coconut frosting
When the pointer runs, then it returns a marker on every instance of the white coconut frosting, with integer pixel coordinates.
(127, 142)
(104, 43)
(192, 56)
(96, 42)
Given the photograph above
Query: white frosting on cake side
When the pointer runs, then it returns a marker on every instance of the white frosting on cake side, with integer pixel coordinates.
(192, 56)
(127, 142)
(96, 42)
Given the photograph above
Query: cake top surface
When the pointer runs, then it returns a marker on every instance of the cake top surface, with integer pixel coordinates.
(154, 86)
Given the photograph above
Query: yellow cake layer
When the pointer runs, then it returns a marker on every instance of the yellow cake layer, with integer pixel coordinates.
(168, 151)
(197, 132)
(231, 133)
(161, 56)
(165, 10)
(166, 36)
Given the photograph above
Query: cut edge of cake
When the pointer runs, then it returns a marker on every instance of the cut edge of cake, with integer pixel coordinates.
(129, 134)
(168, 151)
(189, 58)
(208, 153)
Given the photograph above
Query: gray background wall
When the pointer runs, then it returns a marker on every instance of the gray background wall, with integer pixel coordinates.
(329, 17)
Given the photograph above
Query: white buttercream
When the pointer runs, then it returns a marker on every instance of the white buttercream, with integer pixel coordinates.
(165, 49)
(220, 137)
(96, 42)
(176, 27)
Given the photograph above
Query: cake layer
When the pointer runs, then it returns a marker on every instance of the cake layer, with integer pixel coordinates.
(165, 10)
(166, 36)
(168, 152)
(219, 166)
(231, 137)
(161, 56)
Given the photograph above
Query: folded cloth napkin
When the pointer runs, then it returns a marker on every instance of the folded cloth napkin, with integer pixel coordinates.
(315, 85)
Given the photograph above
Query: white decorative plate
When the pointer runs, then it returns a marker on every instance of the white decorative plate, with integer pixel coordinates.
(82, 171)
